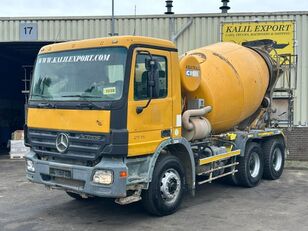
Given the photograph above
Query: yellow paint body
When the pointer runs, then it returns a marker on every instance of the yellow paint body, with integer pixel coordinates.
(219, 157)
(69, 120)
(234, 86)
(234, 80)
(144, 129)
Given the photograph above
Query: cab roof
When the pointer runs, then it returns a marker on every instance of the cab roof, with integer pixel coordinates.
(125, 41)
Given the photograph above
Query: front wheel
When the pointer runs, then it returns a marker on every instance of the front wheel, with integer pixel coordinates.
(165, 192)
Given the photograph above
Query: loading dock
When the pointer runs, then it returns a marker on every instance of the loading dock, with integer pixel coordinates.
(16, 62)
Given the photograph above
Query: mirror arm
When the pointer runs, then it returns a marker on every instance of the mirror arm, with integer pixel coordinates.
(140, 109)
(145, 52)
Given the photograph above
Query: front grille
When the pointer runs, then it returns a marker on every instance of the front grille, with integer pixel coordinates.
(82, 147)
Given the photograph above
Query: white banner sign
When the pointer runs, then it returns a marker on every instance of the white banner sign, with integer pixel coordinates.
(75, 58)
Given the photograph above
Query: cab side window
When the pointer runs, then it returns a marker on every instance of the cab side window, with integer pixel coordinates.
(141, 77)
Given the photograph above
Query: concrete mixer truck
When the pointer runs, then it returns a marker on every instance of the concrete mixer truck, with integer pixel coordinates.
(127, 118)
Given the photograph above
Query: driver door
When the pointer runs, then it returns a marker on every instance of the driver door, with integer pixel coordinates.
(153, 125)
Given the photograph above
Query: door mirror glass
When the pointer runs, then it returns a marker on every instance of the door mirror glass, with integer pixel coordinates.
(151, 66)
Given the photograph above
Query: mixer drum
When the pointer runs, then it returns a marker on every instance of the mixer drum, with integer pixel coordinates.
(233, 80)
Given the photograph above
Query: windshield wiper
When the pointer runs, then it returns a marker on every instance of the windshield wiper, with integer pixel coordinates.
(44, 103)
(42, 96)
(89, 103)
(81, 96)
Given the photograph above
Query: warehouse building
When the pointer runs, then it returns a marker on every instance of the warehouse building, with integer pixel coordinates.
(21, 38)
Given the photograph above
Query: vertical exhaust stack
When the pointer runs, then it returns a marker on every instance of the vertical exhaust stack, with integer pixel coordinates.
(169, 7)
(224, 8)
(171, 19)
(112, 22)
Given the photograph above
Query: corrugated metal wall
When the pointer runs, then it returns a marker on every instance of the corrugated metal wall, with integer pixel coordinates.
(204, 30)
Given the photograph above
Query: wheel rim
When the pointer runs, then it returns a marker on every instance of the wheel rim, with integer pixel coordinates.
(277, 159)
(254, 164)
(170, 185)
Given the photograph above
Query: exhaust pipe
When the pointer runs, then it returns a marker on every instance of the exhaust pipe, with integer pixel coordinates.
(195, 126)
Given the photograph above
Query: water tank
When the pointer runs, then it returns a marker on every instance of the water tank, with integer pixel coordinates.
(232, 79)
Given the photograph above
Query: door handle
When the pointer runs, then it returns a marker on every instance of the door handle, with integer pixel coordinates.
(165, 133)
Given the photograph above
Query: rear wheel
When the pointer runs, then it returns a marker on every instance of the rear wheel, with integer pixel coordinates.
(250, 168)
(165, 192)
(231, 179)
(274, 157)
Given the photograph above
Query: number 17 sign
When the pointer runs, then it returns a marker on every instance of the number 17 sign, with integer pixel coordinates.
(28, 31)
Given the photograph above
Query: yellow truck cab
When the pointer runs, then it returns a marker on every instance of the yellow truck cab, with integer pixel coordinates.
(104, 118)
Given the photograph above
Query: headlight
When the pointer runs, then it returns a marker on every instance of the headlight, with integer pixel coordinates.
(103, 177)
(30, 165)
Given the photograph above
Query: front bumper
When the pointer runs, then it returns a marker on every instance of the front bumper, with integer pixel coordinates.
(80, 179)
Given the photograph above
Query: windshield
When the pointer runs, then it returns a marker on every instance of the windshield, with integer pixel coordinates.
(89, 74)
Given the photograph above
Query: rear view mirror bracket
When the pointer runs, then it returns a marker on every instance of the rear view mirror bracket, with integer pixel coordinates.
(152, 83)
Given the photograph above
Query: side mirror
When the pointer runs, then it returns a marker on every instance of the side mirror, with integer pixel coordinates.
(153, 78)
(152, 68)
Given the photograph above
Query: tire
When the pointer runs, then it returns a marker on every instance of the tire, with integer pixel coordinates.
(250, 168)
(76, 196)
(274, 158)
(230, 180)
(165, 192)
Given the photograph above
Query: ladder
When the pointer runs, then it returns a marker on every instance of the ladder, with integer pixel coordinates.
(28, 71)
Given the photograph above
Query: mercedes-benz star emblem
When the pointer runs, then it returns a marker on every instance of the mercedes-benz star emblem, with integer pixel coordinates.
(62, 142)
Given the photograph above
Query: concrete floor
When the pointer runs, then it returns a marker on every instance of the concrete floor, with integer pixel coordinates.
(273, 205)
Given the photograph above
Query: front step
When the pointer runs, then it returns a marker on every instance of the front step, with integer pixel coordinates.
(136, 196)
(128, 200)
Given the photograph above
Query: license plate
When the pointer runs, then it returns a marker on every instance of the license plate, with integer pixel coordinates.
(60, 172)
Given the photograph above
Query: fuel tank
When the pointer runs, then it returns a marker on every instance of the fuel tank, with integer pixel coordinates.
(232, 79)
